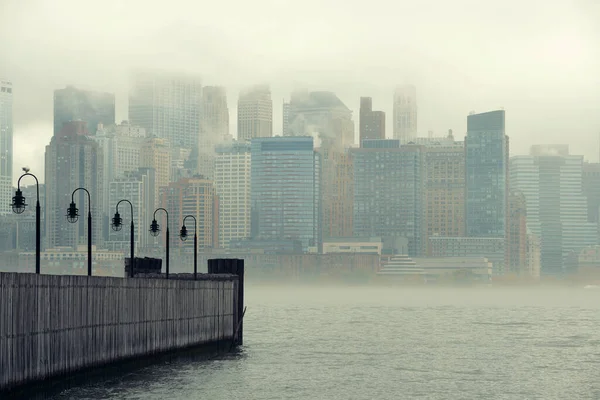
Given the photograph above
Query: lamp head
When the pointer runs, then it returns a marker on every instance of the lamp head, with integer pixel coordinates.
(154, 228)
(18, 203)
(72, 213)
(117, 222)
(183, 235)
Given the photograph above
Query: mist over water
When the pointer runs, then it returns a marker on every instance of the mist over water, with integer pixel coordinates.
(390, 343)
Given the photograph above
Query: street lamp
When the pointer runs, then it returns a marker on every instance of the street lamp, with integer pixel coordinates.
(18, 206)
(155, 230)
(73, 216)
(117, 225)
(183, 234)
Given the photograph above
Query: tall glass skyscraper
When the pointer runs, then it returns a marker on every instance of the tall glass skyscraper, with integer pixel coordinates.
(6, 146)
(284, 183)
(486, 146)
(388, 192)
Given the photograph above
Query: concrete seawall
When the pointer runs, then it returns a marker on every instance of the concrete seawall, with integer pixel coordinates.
(52, 325)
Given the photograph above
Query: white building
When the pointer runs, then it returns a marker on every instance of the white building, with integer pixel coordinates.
(138, 188)
(551, 181)
(6, 146)
(255, 113)
(167, 106)
(232, 184)
(121, 146)
(214, 127)
(405, 113)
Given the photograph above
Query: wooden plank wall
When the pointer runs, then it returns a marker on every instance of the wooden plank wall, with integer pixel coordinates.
(55, 324)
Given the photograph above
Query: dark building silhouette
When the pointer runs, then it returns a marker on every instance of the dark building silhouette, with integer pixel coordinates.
(72, 104)
(372, 123)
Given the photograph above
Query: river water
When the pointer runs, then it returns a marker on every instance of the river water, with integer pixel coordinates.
(388, 343)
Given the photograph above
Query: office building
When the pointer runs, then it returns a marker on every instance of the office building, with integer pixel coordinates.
(73, 160)
(138, 188)
(457, 247)
(286, 120)
(94, 108)
(591, 190)
(444, 186)
(232, 184)
(323, 116)
(557, 209)
(372, 123)
(214, 128)
(167, 106)
(285, 192)
(405, 114)
(516, 234)
(389, 193)
(155, 153)
(337, 193)
(255, 113)
(6, 146)
(194, 196)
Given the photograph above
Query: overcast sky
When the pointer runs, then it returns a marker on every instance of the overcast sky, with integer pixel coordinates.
(539, 60)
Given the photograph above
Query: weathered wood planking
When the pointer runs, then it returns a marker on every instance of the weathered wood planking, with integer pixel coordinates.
(51, 324)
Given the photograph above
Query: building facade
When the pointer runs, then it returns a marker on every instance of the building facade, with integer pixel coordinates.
(255, 113)
(155, 153)
(167, 106)
(72, 104)
(389, 192)
(591, 190)
(285, 192)
(6, 146)
(557, 210)
(337, 193)
(73, 160)
(405, 113)
(214, 128)
(323, 116)
(372, 123)
(232, 184)
(444, 178)
(516, 234)
(194, 196)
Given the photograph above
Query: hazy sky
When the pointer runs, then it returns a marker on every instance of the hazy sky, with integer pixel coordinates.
(539, 60)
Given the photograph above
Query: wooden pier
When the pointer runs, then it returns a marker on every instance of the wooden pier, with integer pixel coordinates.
(51, 325)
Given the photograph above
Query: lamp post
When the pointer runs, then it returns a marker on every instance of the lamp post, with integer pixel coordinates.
(117, 226)
(183, 236)
(73, 216)
(18, 206)
(155, 230)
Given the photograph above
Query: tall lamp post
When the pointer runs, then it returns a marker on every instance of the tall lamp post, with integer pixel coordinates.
(73, 216)
(155, 230)
(18, 206)
(117, 225)
(183, 234)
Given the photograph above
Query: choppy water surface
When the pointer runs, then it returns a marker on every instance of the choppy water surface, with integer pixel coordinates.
(390, 343)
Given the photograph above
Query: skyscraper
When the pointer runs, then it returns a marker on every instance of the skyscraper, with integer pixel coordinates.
(388, 192)
(156, 154)
(168, 106)
(444, 186)
(255, 113)
(337, 193)
(372, 123)
(193, 196)
(323, 116)
(486, 147)
(232, 183)
(405, 113)
(137, 187)
(72, 104)
(516, 261)
(73, 160)
(551, 181)
(214, 127)
(6, 146)
(286, 119)
(285, 191)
